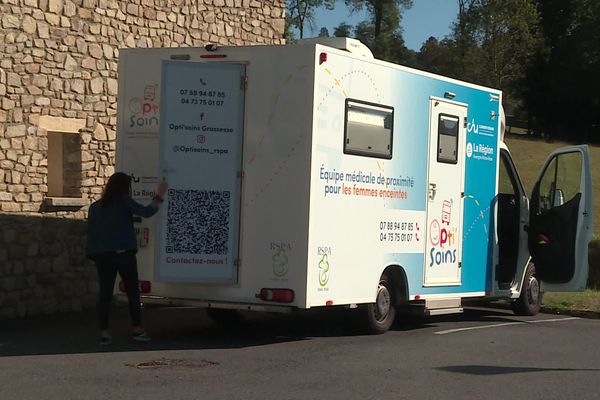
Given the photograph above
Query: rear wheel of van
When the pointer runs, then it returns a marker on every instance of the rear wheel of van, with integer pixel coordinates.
(378, 317)
(530, 300)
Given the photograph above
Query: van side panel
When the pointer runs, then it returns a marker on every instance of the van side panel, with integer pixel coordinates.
(368, 213)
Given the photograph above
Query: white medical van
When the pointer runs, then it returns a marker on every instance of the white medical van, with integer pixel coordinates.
(314, 175)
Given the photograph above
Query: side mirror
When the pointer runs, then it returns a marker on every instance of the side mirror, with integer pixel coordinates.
(558, 198)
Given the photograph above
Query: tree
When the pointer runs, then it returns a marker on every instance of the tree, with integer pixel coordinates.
(288, 33)
(382, 12)
(343, 30)
(324, 32)
(509, 37)
(364, 32)
(464, 41)
(493, 43)
(563, 85)
(382, 33)
(301, 12)
(435, 56)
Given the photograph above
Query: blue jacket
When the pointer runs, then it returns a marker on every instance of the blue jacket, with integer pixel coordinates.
(111, 228)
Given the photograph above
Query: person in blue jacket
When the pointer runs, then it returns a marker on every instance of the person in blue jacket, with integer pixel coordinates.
(112, 244)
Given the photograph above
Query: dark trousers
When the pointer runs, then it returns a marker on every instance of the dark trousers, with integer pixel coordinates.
(108, 264)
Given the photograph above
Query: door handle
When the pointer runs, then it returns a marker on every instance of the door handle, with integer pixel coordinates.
(432, 191)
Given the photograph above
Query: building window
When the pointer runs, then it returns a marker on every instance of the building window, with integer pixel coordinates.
(64, 164)
(368, 129)
(64, 160)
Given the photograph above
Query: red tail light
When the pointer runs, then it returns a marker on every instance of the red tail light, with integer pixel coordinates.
(543, 239)
(145, 286)
(213, 56)
(322, 58)
(276, 295)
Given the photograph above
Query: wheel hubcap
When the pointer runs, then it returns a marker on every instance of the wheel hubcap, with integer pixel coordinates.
(534, 290)
(383, 303)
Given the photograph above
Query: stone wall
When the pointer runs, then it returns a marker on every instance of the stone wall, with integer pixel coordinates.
(42, 266)
(58, 73)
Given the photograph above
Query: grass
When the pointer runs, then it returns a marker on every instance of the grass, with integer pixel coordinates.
(573, 303)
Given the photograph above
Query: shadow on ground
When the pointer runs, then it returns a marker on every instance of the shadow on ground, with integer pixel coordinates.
(175, 328)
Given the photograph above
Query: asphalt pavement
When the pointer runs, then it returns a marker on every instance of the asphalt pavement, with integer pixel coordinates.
(480, 354)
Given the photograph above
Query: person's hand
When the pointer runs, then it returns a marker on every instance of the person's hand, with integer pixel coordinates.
(161, 189)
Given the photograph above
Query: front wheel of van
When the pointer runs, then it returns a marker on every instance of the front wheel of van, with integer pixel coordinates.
(530, 300)
(378, 317)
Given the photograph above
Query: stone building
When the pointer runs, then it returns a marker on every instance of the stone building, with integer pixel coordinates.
(58, 104)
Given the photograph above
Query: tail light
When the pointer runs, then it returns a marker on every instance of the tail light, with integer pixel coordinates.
(322, 58)
(543, 239)
(145, 286)
(276, 295)
(213, 56)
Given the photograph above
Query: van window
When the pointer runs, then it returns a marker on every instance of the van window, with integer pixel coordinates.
(560, 181)
(368, 129)
(448, 138)
(506, 180)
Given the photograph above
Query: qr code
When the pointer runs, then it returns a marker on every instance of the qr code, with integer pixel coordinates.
(198, 221)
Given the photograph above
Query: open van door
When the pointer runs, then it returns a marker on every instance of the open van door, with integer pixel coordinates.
(561, 220)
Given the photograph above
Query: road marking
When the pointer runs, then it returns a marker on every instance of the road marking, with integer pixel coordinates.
(472, 328)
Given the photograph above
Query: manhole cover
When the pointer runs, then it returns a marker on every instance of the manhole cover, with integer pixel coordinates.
(172, 363)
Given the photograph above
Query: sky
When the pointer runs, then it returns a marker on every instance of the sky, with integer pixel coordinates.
(426, 18)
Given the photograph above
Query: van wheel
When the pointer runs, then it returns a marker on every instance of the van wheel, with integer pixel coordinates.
(378, 317)
(224, 316)
(530, 300)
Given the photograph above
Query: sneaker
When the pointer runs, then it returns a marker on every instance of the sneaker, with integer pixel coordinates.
(105, 340)
(141, 337)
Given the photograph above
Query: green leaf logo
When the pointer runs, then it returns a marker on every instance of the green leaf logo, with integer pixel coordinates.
(323, 270)
(280, 263)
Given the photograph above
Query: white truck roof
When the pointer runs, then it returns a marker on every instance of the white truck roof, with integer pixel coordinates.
(353, 46)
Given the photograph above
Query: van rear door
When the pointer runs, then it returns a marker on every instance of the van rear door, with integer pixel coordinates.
(561, 220)
(201, 137)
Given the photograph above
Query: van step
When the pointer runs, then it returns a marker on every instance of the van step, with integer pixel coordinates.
(443, 306)
(443, 303)
(444, 311)
(434, 307)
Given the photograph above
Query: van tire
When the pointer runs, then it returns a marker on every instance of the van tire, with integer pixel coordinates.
(530, 300)
(378, 317)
